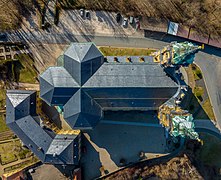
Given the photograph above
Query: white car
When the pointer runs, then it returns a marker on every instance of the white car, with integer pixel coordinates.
(125, 22)
(81, 12)
(131, 19)
(136, 20)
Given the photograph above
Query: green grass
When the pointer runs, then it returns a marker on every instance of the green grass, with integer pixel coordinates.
(3, 126)
(8, 158)
(22, 154)
(9, 150)
(197, 72)
(27, 73)
(209, 153)
(208, 109)
(114, 51)
(2, 98)
(198, 91)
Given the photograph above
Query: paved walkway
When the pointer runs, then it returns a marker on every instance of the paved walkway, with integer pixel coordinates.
(27, 86)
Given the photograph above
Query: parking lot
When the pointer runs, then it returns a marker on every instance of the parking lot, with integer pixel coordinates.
(96, 23)
(107, 144)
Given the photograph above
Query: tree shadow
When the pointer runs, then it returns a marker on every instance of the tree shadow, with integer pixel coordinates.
(126, 141)
(17, 67)
(90, 160)
(192, 149)
(191, 103)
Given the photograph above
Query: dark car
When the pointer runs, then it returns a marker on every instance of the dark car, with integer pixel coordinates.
(87, 14)
(118, 17)
(3, 36)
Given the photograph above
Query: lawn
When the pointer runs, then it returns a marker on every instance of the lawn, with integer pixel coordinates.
(208, 109)
(9, 150)
(115, 51)
(197, 72)
(12, 151)
(198, 92)
(3, 126)
(24, 69)
(2, 98)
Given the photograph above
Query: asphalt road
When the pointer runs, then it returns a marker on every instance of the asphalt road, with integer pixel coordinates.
(67, 38)
(211, 67)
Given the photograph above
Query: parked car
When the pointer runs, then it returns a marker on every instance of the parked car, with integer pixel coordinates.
(125, 22)
(87, 14)
(137, 27)
(81, 12)
(131, 19)
(118, 17)
(3, 36)
(137, 21)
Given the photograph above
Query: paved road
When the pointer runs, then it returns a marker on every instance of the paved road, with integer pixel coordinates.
(66, 38)
(211, 68)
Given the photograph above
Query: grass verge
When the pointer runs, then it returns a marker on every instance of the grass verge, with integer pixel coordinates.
(24, 67)
(198, 92)
(197, 104)
(115, 51)
(3, 126)
(208, 109)
(197, 72)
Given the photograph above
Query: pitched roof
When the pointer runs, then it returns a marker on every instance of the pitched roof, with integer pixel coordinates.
(81, 111)
(130, 75)
(21, 118)
(58, 77)
(108, 81)
(82, 52)
(55, 78)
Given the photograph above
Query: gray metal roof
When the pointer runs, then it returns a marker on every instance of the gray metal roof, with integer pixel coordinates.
(62, 150)
(60, 143)
(82, 52)
(21, 118)
(58, 77)
(101, 86)
(81, 111)
(130, 75)
(55, 78)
